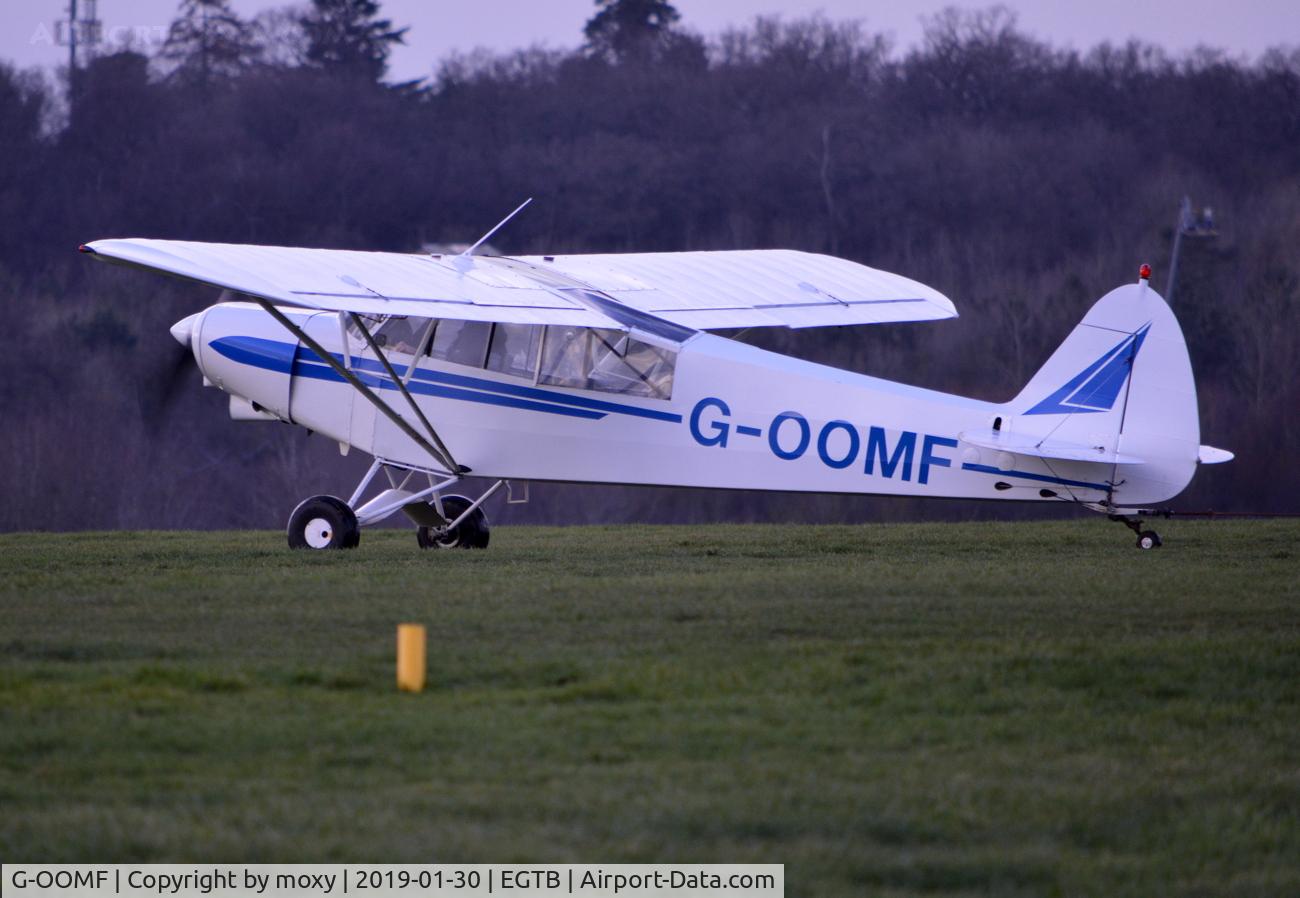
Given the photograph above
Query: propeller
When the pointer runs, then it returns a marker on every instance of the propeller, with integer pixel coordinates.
(170, 373)
(173, 368)
(161, 380)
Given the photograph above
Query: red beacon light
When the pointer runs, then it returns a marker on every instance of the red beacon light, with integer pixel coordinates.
(1145, 272)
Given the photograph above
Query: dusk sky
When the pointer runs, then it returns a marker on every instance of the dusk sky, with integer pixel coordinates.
(438, 27)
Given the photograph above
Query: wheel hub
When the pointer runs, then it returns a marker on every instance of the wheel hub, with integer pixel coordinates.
(318, 533)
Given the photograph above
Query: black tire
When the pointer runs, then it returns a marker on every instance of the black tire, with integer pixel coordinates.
(471, 533)
(1149, 539)
(323, 522)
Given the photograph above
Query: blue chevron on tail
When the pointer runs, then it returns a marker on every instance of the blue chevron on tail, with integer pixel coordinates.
(1095, 388)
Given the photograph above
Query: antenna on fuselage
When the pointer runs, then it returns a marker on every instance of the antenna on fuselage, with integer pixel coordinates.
(465, 260)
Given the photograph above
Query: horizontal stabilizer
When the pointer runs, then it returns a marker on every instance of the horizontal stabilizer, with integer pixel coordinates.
(1037, 447)
(1209, 455)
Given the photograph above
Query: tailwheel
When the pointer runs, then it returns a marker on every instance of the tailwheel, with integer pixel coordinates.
(1149, 539)
(471, 533)
(323, 522)
(1146, 539)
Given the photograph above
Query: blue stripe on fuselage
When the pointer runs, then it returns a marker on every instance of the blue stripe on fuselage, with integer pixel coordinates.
(271, 355)
(274, 355)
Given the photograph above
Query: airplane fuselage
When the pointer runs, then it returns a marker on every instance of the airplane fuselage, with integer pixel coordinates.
(738, 417)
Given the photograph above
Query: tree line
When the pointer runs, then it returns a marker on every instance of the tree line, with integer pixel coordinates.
(1021, 179)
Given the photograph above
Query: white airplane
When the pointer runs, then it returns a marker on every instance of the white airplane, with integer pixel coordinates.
(601, 369)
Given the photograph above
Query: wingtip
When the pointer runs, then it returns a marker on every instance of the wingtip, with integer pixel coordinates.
(86, 248)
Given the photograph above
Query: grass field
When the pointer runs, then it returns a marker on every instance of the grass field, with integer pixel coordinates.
(895, 709)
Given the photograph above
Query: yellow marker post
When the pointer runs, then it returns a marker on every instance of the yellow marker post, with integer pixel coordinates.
(410, 657)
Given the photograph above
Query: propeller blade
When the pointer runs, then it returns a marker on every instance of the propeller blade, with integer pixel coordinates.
(164, 384)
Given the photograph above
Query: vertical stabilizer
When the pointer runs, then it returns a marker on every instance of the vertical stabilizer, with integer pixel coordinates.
(1122, 380)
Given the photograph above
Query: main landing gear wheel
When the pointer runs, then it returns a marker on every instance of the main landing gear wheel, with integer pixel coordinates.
(1149, 539)
(323, 522)
(471, 533)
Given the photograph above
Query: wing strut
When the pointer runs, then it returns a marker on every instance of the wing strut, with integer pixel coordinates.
(444, 453)
(443, 459)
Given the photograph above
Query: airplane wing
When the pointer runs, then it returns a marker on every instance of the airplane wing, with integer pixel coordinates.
(367, 283)
(753, 288)
(693, 290)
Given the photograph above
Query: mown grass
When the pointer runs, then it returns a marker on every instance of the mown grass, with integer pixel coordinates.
(904, 709)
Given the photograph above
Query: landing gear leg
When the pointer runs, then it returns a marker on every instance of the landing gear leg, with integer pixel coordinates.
(1146, 539)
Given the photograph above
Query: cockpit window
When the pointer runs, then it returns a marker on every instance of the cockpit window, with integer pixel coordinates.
(392, 333)
(514, 349)
(641, 370)
(566, 357)
(607, 360)
(612, 361)
(400, 334)
(372, 323)
(462, 342)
